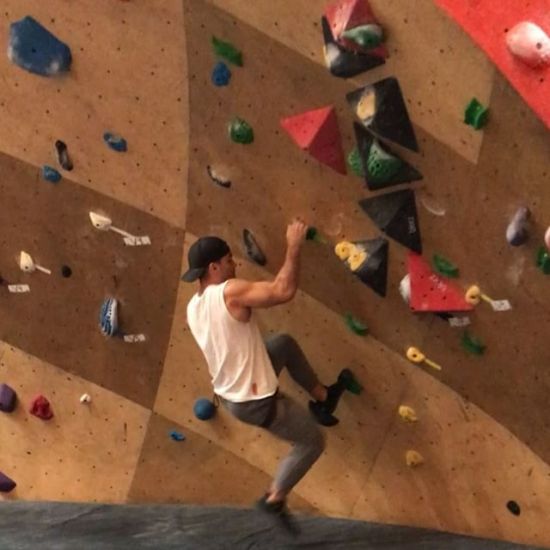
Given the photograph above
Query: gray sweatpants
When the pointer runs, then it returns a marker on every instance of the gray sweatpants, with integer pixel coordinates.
(283, 416)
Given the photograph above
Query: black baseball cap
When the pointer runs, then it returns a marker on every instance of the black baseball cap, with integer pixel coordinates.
(201, 254)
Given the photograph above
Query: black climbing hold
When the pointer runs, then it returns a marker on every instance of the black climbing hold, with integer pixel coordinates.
(395, 214)
(66, 271)
(513, 506)
(218, 179)
(381, 108)
(343, 63)
(381, 166)
(63, 155)
(252, 248)
(374, 271)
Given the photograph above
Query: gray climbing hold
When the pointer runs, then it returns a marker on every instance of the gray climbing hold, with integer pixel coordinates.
(115, 142)
(50, 174)
(35, 49)
(517, 230)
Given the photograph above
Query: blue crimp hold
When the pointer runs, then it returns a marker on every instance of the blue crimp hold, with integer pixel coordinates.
(108, 317)
(177, 436)
(35, 49)
(221, 75)
(115, 142)
(50, 174)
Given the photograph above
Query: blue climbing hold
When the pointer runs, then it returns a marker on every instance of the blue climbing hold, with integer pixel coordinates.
(50, 174)
(35, 49)
(204, 409)
(221, 75)
(177, 436)
(108, 317)
(115, 142)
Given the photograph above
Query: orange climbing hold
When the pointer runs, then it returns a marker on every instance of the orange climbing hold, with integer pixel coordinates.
(317, 132)
(430, 292)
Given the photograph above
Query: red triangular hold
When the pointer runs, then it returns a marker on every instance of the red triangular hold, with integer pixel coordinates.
(318, 133)
(430, 292)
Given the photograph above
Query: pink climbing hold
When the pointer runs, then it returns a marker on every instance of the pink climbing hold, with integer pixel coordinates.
(41, 408)
(529, 43)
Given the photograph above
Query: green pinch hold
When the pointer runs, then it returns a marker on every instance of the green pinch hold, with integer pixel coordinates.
(543, 260)
(444, 267)
(227, 51)
(240, 131)
(312, 234)
(355, 325)
(381, 166)
(367, 36)
(349, 382)
(472, 344)
(476, 114)
(355, 163)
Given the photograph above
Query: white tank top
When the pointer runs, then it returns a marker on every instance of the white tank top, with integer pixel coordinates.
(235, 351)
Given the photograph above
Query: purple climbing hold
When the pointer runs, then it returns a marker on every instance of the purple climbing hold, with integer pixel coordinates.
(221, 74)
(6, 484)
(8, 398)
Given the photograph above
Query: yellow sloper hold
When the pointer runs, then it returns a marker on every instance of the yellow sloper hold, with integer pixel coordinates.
(407, 413)
(356, 259)
(344, 249)
(413, 458)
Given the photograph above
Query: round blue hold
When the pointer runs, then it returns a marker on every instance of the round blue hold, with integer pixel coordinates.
(221, 75)
(204, 409)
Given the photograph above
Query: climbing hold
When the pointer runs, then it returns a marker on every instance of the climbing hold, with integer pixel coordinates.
(108, 317)
(547, 239)
(367, 36)
(221, 74)
(50, 174)
(355, 325)
(529, 43)
(472, 344)
(252, 248)
(517, 232)
(405, 288)
(317, 132)
(430, 292)
(8, 398)
(381, 167)
(345, 63)
(381, 109)
(355, 164)
(6, 484)
(26, 264)
(217, 178)
(408, 414)
(63, 155)
(227, 51)
(474, 296)
(313, 234)
(444, 267)
(543, 260)
(368, 260)
(115, 142)
(513, 506)
(41, 408)
(66, 271)
(35, 49)
(240, 131)
(177, 436)
(348, 380)
(204, 409)
(395, 214)
(476, 115)
(413, 458)
(416, 356)
(85, 398)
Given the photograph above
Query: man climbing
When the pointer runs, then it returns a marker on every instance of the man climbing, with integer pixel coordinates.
(245, 369)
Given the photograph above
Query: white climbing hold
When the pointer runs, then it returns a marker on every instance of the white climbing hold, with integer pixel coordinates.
(85, 398)
(405, 288)
(27, 264)
(408, 414)
(413, 458)
(529, 43)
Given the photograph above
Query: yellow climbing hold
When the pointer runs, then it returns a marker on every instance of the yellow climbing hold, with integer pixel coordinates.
(356, 259)
(413, 458)
(366, 106)
(344, 249)
(408, 414)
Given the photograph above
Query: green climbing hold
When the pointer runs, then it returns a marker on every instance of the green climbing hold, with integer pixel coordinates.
(355, 163)
(543, 260)
(381, 166)
(240, 131)
(367, 36)
(348, 380)
(476, 114)
(355, 325)
(472, 344)
(444, 267)
(227, 51)
(312, 234)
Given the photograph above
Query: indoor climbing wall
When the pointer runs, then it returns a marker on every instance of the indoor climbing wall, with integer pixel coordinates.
(144, 71)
